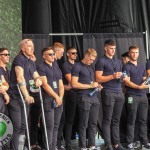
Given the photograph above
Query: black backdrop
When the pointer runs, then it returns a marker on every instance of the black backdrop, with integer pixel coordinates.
(85, 16)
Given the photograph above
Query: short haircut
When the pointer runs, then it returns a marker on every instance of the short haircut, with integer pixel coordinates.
(70, 48)
(125, 54)
(133, 47)
(57, 45)
(24, 41)
(91, 52)
(46, 49)
(2, 49)
(110, 42)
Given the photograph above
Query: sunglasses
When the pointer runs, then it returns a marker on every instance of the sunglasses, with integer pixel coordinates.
(51, 54)
(5, 54)
(73, 53)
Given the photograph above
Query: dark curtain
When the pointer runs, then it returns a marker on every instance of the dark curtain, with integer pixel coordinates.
(88, 16)
(123, 41)
(85, 16)
(44, 40)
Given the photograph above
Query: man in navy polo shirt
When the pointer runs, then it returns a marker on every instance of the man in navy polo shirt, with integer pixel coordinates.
(5, 75)
(83, 79)
(59, 51)
(23, 69)
(136, 98)
(4, 60)
(53, 91)
(70, 95)
(108, 72)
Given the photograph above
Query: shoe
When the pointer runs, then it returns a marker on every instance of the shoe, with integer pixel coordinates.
(131, 146)
(25, 148)
(146, 146)
(56, 148)
(94, 148)
(119, 147)
(69, 148)
(109, 147)
(61, 148)
(83, 148)
(36, 147)
(136, 144)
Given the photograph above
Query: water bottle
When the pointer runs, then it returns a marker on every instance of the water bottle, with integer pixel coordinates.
(95, 90)
(146, 82)
(123, 76)
(54, 104)
(77, 136)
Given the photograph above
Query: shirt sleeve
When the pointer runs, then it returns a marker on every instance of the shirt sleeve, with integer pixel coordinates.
(41, 70)
(99, 65)
(65, 69)
(148, 65)
(18, 61)
(75, 70)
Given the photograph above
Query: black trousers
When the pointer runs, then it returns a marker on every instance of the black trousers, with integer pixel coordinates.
(35, 111)
(88, 116)
(139, 107)
(112, 104)
(2, 104)
(52, 118)
(16, 112)
(70, 112)
(61, 127)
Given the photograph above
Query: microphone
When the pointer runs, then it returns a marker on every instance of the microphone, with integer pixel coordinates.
(95, 90)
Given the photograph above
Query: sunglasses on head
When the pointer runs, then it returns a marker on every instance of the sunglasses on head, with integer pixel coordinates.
(5, 54)
(51, 54)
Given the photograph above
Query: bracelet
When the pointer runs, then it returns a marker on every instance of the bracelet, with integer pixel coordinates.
(26, 95)
(91, 86)
(61, 98)
(22, 83)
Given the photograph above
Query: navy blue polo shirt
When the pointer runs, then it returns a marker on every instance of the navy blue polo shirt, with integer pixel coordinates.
(5, 73)
(1, 73)
(29, 68)
(109, 67)
(85, 75)
(66, 69)
(52, 73)
(136, 74)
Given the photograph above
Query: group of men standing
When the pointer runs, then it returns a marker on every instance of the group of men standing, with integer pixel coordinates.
(76, 84)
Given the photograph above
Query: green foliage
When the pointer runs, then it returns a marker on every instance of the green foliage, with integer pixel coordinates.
(10, 25)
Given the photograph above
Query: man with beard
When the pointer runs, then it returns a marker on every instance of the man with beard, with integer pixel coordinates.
(136, 99)
(23, 70)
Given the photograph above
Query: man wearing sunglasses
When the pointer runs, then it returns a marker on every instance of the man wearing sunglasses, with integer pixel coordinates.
(70, 96)
(53, 91)
(5, 73)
